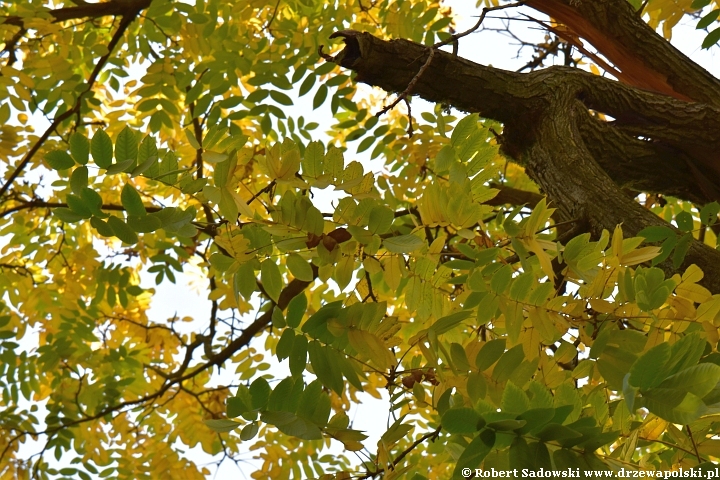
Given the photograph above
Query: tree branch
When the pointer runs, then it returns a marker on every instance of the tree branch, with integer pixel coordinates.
(546, 116)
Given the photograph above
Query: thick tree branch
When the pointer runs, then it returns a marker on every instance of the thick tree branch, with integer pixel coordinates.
(645, 59)
(89, 10)
(549, 128)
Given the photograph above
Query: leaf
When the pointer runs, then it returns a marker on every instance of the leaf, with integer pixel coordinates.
(648, 371)
(698, 379)
(271, 279)
(66, 215)
(490, 353)
(126, 146)
(474, 453)
(101, 148)
(711, 38)
(296, 309)
(79, 180)
(460, 420)
(222, 425)
(59, 160)
(313, 160)
(299, 267)
(79, 148)
(122, 231)
(403, 243)
(445, 324)
(132, 201)
(244, 281)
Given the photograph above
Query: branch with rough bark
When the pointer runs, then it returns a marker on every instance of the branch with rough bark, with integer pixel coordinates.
(581, 162)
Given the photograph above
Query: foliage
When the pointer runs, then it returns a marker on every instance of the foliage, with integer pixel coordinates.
(497, 341)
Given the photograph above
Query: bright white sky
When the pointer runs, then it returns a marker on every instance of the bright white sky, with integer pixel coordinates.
(186, 298)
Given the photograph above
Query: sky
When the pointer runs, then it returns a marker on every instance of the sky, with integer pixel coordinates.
(187, 296)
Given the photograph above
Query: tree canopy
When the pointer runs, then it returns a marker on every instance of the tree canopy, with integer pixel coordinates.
(532, 278)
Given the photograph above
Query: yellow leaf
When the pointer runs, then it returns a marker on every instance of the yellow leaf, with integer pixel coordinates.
(693, 291)
(543, 257)
(641, 255)
(693, 274)
(708, 311)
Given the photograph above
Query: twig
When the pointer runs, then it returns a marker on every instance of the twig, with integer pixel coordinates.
(692, 440)
(430, 435)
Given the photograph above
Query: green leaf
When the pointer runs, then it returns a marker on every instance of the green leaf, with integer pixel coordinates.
(649, 370)
(698, 4)
(514, 399)
(298, 355)
(711, 39)
(220, 262)
(447, 323)
(222, 425)
(709, 213)
(662, 403)
(320, 96)
(79, 180)
(120, 167)
(403, 243)
(249, 431)
(228, 207)
(66, 215)
(79, 148)
(326, 371)
(708, 19)
(280, 97)
(464, 129)
(126, 146)
(78, 205)
(381, 219)
(698, 380)
(460, 420)
(474, 453)
(500, 281)
(123, 231)
(271, 279)
(59, 160)
(299, 267)
(244, 281)
(259, 393)
(490, 353)
(101, 148)
(656, 233)
(296, 309)
(144, 224)
(102, 227)
(132, 201)
(684, 221)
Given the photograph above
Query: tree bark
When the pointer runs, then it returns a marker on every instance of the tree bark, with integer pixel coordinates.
(581, 162)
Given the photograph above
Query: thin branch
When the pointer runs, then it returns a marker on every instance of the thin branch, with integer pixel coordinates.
(42, 204)
(430, 435)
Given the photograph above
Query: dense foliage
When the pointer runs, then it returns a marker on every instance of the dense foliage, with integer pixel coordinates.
(505, 332)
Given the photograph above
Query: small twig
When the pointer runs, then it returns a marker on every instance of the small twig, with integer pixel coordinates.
(485, 11)
(692, 440)
(272, 18)
(410, 120)
(411, 85)
(452, 39)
